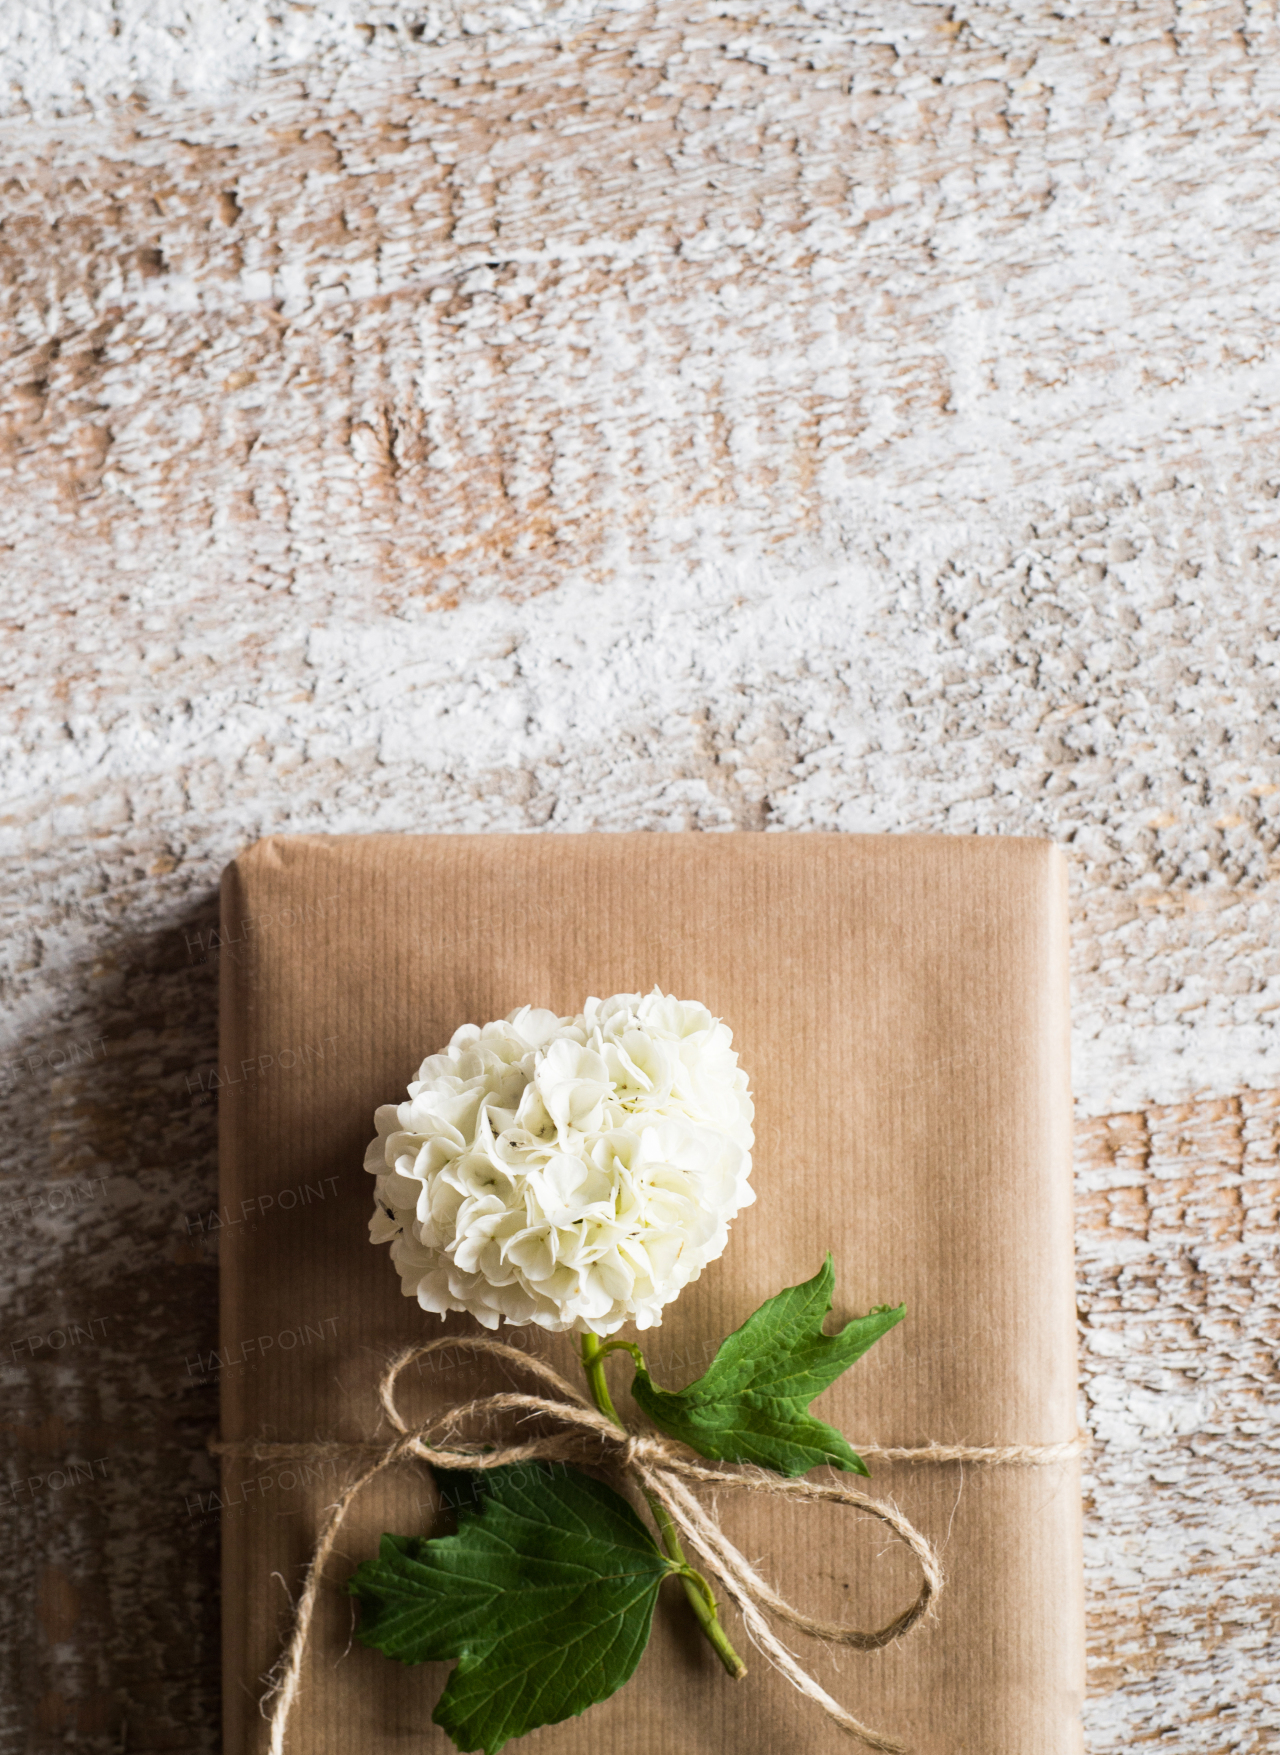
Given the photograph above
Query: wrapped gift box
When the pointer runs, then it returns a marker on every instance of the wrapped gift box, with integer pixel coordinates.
(900, 1004)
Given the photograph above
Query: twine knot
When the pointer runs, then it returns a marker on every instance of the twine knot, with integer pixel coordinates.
(636, 1450)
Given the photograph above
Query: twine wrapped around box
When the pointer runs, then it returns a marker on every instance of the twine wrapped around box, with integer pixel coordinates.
(664, 1471)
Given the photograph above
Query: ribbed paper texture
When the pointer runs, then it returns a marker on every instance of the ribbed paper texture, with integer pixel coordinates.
(900, 1004)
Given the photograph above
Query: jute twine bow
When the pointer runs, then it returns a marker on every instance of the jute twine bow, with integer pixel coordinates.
(662, 1469)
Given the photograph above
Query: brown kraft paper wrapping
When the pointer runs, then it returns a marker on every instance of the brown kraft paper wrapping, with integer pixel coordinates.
(900, 1004)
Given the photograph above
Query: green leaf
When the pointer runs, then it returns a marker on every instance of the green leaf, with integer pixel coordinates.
(545, 1597)
(752, 1404)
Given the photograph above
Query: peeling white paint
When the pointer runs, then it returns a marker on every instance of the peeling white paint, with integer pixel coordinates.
(60, 56)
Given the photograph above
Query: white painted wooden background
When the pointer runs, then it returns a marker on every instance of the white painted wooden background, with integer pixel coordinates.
(736, 416)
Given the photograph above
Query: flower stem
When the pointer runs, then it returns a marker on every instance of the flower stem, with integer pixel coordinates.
(593, 1365)
(701, 1597)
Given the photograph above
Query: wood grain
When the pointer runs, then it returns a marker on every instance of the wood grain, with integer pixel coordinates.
(1177, 1238)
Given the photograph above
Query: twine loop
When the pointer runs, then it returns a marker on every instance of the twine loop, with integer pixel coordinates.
(664, 1470)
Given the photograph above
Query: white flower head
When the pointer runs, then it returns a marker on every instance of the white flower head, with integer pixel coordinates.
(575, 1173)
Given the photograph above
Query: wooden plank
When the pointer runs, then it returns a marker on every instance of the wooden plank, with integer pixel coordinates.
(1180, 1323)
